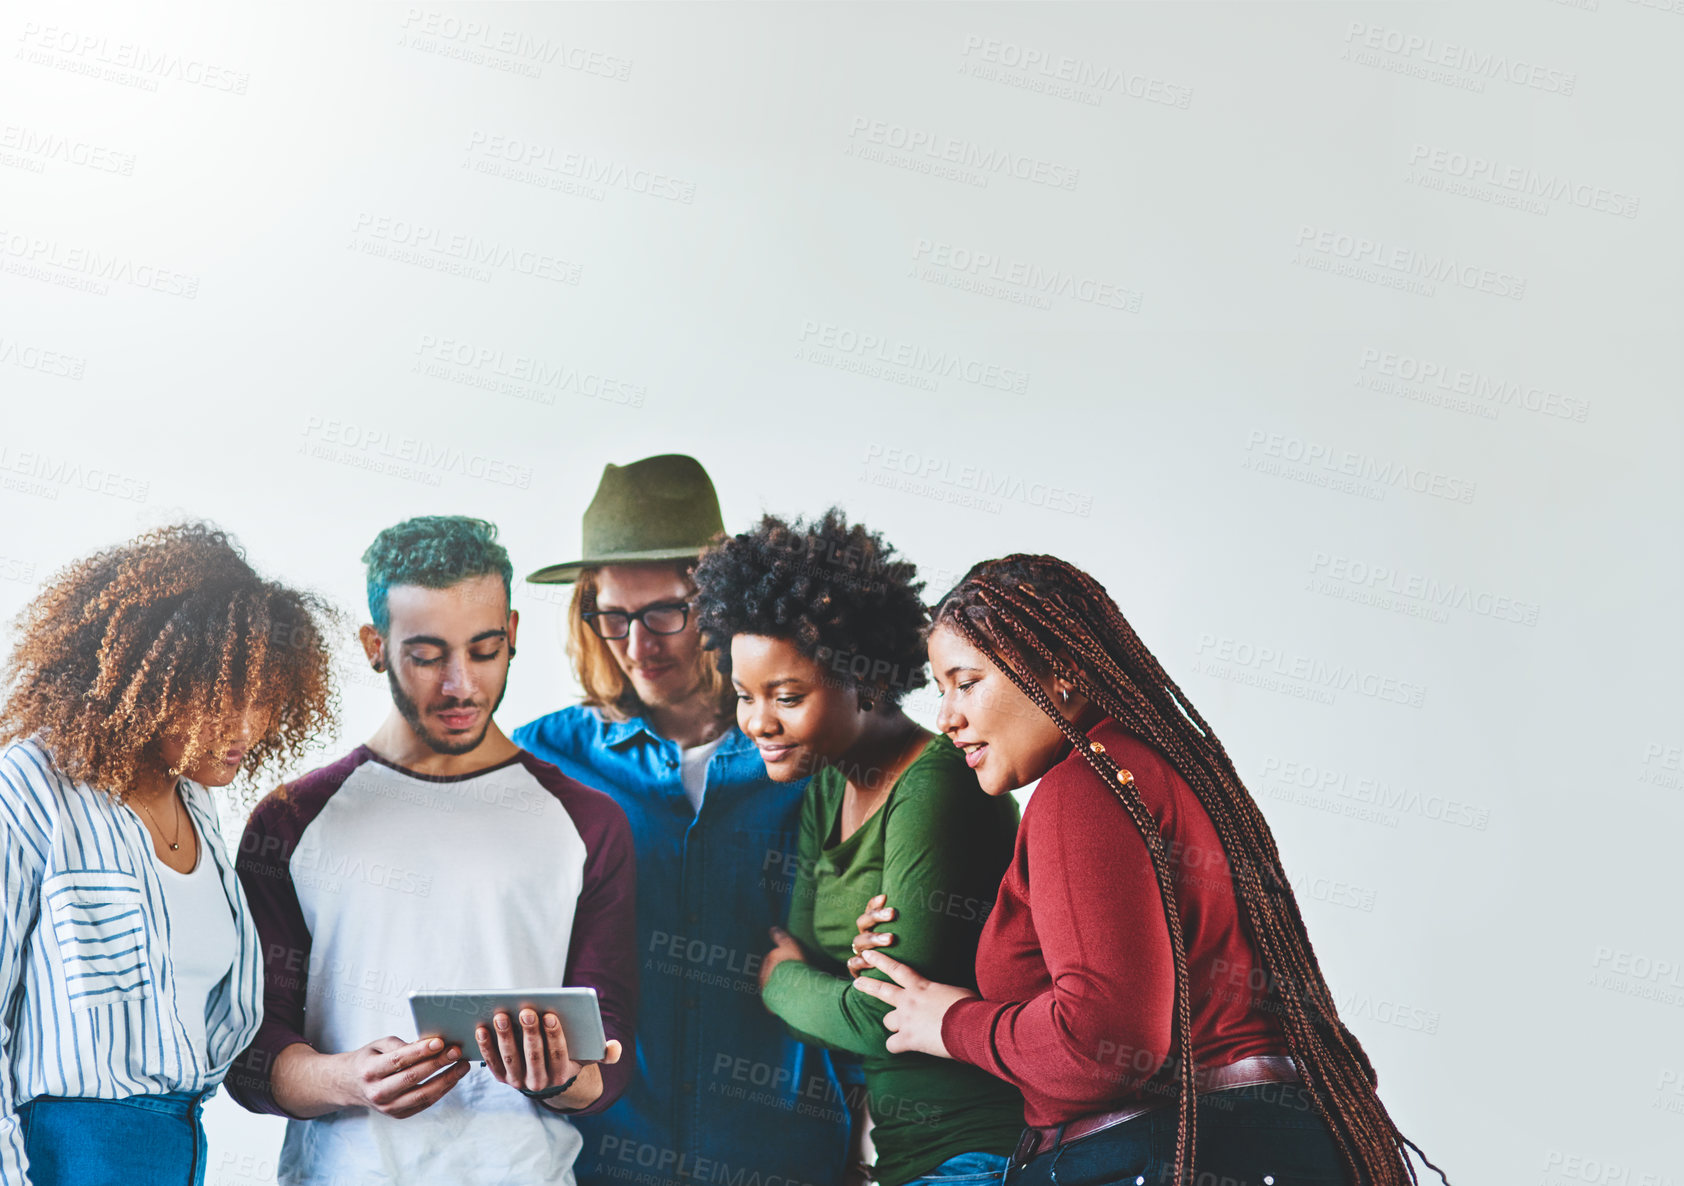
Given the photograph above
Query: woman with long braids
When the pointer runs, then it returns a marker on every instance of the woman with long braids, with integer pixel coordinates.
(1145, 976)
(130, 974)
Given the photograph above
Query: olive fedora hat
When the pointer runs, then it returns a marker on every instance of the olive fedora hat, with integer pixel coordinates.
(660, 508)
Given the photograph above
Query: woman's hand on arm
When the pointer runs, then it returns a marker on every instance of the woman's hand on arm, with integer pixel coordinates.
(916, 1005)
(876, 911)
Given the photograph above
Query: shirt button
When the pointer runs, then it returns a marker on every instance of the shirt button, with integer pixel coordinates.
(693, 918)
(689, 1087)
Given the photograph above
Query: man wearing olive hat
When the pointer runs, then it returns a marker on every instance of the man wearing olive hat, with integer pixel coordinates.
(720, 1091)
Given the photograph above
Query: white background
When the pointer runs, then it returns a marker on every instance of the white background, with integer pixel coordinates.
(1438, 630)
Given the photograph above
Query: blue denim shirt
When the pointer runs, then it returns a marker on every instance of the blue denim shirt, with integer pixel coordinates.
(721, 1091)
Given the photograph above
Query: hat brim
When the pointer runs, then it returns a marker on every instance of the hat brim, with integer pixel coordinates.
(566, 574)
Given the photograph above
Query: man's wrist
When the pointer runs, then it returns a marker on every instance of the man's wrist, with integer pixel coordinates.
(583, 1090)
(338, 1076)
(549, 1093)
(306, 1083)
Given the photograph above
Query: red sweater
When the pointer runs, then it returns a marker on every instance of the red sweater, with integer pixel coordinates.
(1074, 966)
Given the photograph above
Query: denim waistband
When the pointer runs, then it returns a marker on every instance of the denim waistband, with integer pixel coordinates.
(170, 1103)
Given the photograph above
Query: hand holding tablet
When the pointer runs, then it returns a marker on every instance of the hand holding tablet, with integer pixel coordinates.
(538, 1041)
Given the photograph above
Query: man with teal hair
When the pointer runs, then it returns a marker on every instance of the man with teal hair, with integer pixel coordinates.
(436, 552)
(438, 855)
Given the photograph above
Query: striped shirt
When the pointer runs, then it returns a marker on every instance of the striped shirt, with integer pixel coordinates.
(87, 987)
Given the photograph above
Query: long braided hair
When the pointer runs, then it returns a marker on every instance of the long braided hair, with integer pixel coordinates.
(1034, 615)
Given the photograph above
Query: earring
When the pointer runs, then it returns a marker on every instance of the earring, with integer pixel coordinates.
(379, 667)
(865, 703)
(1064, 696)
(511, 652)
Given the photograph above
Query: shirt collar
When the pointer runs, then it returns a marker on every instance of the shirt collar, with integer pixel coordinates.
(614, 732)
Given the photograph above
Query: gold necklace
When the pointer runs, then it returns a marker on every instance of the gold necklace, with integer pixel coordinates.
(174, 845)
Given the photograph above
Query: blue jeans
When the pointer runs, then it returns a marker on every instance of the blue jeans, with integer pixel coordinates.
(1266, 1135)
(145, 1140)
(967, 1169)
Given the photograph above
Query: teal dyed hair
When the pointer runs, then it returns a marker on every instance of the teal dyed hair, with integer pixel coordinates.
(435, 552)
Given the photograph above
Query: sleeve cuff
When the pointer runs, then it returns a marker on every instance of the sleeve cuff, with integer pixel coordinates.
(251, 1078)
(965, 1030)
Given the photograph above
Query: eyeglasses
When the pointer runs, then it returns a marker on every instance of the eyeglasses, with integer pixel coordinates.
(657, 619)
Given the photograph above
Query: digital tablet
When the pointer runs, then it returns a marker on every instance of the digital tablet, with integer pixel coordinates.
(455, 1014)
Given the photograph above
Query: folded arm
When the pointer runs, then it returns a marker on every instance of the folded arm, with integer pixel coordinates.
(1104, 1026)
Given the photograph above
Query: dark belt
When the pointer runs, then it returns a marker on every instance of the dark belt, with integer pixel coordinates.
(1248, 1072)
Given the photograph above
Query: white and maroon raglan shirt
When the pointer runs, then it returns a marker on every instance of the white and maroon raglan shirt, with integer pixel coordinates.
(368, 882)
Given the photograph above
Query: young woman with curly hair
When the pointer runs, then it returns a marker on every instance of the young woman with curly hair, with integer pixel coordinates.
(130, 975)
(1146, 978)
(819, 627)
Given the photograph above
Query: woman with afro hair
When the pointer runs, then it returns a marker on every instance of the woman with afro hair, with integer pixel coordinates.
(130, 974)
(819, 627)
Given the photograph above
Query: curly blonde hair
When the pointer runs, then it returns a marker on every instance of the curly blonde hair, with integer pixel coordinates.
(168, 633)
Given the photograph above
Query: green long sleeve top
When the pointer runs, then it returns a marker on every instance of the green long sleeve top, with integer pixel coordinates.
(937, 847)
